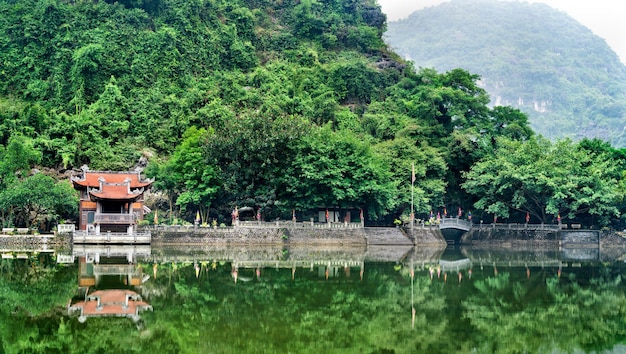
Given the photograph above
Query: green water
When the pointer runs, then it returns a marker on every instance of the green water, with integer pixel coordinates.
(323, 301)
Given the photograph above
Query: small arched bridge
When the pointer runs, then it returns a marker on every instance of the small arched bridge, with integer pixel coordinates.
(454, 223)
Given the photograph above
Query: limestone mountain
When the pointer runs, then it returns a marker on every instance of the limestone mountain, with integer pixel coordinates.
(529, 56)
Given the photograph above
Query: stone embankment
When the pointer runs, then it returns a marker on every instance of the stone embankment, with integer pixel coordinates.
(544, 238)
(349, 236)
(610, 239)
(504, 237)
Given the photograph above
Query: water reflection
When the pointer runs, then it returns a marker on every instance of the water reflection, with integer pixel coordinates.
(109, 279)
(312, 299)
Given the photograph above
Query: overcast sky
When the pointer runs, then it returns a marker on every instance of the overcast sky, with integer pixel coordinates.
(605, 18)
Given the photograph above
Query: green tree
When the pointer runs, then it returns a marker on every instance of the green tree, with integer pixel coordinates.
(17, 158)
(189, 173)
(545, 180)
(338, 169)
(429, 187)
(38, 199)
(253, 153)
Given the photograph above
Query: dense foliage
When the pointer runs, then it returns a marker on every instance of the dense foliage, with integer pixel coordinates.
(529, 56)
(274, 105)
(545, 181)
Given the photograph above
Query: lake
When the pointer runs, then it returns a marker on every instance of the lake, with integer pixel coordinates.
(197, 299)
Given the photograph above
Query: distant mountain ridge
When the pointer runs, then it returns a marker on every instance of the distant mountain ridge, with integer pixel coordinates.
(530, 56)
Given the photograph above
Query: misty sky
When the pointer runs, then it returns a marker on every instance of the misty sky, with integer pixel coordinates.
(605, 18)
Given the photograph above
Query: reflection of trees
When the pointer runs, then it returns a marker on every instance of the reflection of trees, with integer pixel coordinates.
(34, 285)
(379, 317)
(31, 293)
(546, 313)
(306, 314)
(309, 313)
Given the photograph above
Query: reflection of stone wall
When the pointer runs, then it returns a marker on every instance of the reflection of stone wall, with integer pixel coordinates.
(513, 256)
(32, 242)
(581, 254)
(180, 253)
(295, 254)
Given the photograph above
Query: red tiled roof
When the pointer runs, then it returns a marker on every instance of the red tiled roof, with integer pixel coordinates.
(90, 179)
(114, 192)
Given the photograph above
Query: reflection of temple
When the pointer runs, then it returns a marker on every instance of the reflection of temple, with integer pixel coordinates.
(114, 302)
(108, 277)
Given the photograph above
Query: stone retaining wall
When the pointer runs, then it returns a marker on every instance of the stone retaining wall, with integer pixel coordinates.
(263, 235)
(426, 236)
(510, 237)
(580, 237)
(309, 236)
(544, 238)
(219, 236)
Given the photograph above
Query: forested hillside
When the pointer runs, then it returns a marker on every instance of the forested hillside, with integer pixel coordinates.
(276, 105)
(530, 56)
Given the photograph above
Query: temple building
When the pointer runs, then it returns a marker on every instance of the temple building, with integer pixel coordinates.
(110, 201)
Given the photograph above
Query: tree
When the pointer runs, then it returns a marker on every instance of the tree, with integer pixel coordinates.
(430, 170)
(189, 173)
(39, 199)
(253, 152)
(338, 168)
(16, 159)
(545, 180)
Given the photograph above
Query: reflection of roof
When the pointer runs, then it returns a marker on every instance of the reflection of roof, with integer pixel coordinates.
(120, 303)
(91, 179)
